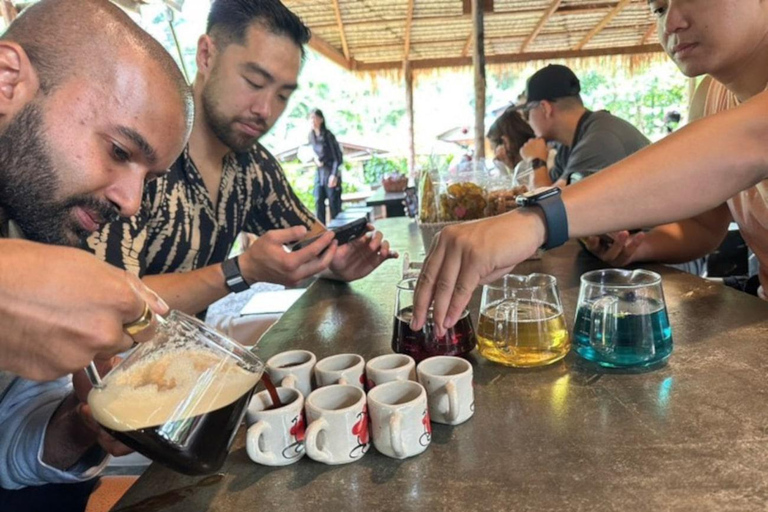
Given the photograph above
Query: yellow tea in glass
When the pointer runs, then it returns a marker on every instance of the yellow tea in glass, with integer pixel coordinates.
(521, 321)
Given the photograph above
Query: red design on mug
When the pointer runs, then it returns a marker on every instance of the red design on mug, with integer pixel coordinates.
(427, 423)
(371, 384)
(360, 430)
(362, 379)
(426, 437)
(297, 430)
(361, 427)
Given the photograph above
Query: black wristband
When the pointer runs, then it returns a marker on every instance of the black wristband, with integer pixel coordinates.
(233, 277)
(556, 219)
(538, 162)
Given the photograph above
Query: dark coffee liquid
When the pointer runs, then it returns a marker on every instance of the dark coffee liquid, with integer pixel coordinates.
(272, 390)
(290, 365)
(196, 445)
(458, 341)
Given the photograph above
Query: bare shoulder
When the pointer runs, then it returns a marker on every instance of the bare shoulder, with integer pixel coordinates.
(696, 110)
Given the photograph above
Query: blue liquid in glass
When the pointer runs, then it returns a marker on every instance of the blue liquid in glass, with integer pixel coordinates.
(637, 335)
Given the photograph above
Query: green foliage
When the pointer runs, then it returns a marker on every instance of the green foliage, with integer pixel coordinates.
(302, 180)
(377, 168)
(642, 99)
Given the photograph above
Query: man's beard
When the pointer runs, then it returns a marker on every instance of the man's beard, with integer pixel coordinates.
(222, 127)
(29, 183)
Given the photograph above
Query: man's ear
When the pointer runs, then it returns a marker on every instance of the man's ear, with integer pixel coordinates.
(547, 108)
(206, 54)
(19, 83)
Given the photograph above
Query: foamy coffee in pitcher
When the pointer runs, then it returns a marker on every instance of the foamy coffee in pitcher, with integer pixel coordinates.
(179, 407)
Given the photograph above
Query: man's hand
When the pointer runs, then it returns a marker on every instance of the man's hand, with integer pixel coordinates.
(61, 308)
(466, 255)
(72, 431)
(617, 249)
(360, 257)
(333, 181)
(82, 386)
(267, 260)
(534, 148)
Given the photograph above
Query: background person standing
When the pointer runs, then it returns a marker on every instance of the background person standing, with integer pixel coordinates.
(329, 160)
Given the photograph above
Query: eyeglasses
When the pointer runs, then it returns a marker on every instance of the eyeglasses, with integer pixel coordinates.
(530, 106)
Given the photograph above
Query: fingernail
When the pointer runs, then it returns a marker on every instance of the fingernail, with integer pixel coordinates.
(447, 323)
(163, 304)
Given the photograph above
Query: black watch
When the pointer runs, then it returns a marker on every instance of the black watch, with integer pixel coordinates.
(551, 203)
(234, 278)
(538, 162)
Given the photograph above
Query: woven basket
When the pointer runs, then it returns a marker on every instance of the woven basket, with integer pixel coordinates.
(430, 229)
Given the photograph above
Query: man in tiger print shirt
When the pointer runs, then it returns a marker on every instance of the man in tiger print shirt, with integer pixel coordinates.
(226, 182)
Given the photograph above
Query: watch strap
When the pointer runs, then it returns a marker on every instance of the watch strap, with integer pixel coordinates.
(538, 162)
(556, 220)
(232, 275)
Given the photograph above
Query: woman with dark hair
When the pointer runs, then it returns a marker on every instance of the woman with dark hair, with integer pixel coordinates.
(507, 135)
(328, 159)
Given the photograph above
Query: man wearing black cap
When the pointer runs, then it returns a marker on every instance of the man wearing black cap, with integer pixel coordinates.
(589, 141)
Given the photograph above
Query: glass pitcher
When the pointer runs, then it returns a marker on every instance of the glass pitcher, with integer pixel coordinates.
(179, 398)
(459, 340)
(621, 319)
(521, 321)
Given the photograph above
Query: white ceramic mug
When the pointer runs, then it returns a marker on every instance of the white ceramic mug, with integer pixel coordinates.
(448, 381)
(275, 437)
(388, 368)
(344, 369)
(340, 414)
(292, 369)
(400, 424)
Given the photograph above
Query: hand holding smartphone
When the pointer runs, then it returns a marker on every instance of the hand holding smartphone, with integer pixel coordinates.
(608, 239)
(344, 234)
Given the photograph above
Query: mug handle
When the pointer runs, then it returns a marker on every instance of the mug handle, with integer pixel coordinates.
(453, 401)
(505, 316)
(290, 381)
(310, 442)
(253, 436)
(603, 325)
(396, 434)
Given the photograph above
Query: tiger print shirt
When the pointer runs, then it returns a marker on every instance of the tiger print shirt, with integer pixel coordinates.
(179, 229)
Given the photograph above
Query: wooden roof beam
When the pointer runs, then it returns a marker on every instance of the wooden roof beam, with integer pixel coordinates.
(563, 10)
(602, 24)
(648, 33)
(468, 43)
(540, 25)
(511, 58)
(9, 11)
(586, 8)
(408, 24)
(327, 50)
(340, 24)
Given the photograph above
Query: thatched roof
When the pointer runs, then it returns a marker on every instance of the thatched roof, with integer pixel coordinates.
(375, 35)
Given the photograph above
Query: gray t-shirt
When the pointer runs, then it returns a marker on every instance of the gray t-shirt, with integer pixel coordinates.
(601, 140)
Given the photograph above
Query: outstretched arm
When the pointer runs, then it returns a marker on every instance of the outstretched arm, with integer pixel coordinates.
(689, 172)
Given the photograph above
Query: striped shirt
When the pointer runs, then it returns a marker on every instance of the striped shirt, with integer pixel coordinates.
(179, 229)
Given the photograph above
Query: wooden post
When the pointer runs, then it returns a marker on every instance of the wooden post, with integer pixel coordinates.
(478, 60)
(408, 73)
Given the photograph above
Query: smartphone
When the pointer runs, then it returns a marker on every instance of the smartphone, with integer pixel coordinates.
(344, 234)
